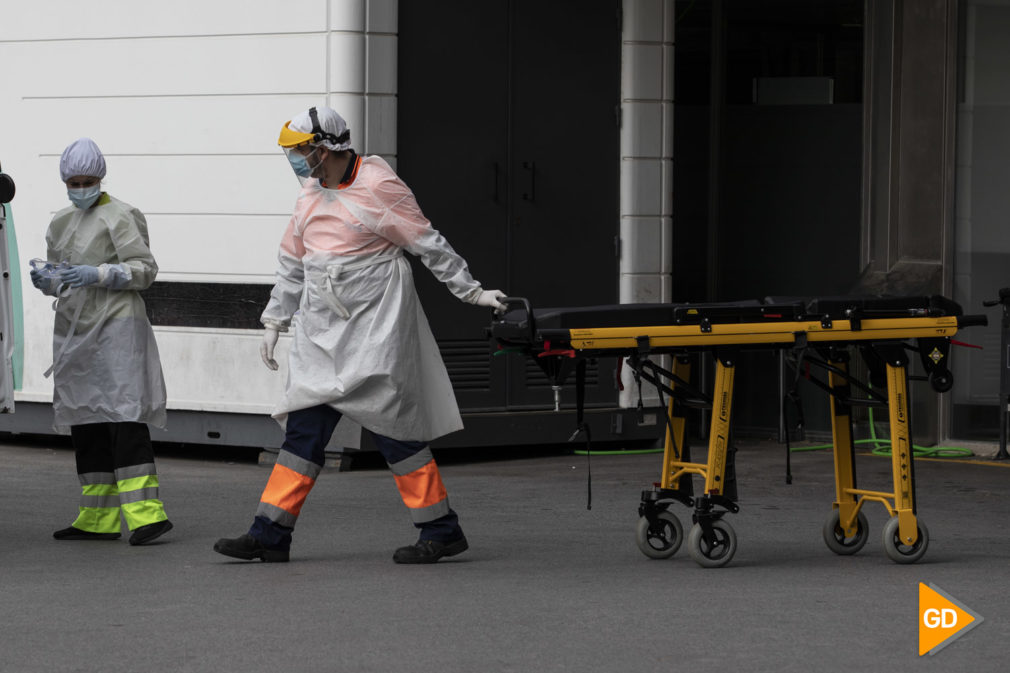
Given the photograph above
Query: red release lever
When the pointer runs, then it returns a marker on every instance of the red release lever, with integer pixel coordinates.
(567, 352)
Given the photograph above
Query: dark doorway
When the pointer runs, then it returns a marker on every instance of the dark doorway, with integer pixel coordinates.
(508, 135)
(767, 163)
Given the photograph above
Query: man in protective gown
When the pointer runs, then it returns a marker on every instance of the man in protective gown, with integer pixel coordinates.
(361, 346)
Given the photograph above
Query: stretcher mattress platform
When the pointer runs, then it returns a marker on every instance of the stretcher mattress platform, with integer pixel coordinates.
(817, 333)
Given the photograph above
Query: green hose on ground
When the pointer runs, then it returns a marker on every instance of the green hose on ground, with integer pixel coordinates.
(882, 447)
(616, 452)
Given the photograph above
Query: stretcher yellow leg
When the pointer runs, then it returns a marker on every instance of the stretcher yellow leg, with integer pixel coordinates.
(712, 541)
(846, 529)
(844, 449)
(674, 459)
(659, 533)
(901, 454)
(905, 538)
(718, 438)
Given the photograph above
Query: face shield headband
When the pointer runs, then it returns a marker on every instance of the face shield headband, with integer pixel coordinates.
(320, 135)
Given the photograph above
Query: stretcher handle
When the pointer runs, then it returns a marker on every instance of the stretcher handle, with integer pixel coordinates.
(509, 302)
(972, 321)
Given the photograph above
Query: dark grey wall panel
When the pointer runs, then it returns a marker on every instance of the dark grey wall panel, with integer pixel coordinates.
(791, 200)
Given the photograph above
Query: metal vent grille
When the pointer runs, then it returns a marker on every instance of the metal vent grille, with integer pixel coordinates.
(468, 363)
(227, 305)
(535, 377)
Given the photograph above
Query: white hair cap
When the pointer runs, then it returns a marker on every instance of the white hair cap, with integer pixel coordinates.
(330, 122)
(82, 157)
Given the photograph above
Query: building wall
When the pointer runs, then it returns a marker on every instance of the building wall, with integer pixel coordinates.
(186, 100)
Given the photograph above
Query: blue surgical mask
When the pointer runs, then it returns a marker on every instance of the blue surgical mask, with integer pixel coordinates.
(300, 164)
(84, 197)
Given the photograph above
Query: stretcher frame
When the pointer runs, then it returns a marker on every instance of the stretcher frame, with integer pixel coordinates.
(887, 335)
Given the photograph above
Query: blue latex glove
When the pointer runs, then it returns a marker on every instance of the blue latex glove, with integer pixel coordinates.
(79, 275)
(37, 280)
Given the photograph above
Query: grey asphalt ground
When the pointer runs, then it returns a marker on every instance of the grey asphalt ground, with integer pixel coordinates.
(546, 585)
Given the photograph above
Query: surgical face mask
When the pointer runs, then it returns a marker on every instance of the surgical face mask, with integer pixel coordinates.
(300, 164)
(84, 197)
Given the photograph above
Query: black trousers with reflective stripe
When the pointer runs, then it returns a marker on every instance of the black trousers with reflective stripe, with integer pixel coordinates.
(106, 447)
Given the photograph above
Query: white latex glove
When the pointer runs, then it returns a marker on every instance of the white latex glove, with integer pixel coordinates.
(490, 298)
(267, 347)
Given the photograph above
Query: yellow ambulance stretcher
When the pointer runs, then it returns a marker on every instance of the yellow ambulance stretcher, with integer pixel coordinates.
(818, 333)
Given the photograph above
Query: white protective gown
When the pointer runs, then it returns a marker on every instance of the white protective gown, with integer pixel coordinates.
(362, 343)
(106, 366)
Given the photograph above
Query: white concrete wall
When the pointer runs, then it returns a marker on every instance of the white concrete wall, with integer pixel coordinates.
(646, 160)
(186, 100)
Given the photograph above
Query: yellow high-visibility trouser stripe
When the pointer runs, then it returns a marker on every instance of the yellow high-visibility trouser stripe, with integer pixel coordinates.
(140, 503)
(148, 481)
(99, 510)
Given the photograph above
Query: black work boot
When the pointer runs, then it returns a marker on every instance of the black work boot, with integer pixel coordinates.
(429, 551)
(71, 533)
(151, 531)
(247, 548)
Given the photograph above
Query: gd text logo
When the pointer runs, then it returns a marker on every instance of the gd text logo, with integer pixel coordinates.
(942, 619)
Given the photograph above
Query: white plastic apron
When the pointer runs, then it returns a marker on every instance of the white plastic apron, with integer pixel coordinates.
(362, 345)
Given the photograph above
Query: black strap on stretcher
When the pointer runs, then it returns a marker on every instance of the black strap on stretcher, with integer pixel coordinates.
(582, 426)
(648, 370)
(643, 369)
(792, 394)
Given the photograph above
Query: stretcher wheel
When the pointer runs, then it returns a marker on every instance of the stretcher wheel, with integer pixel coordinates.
(661, 539)
(898, 551)
(712, 553)
(835, 538)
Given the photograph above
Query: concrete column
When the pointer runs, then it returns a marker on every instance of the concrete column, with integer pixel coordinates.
(361, 71)
(910, 108)
(646, 227)
(909, 158)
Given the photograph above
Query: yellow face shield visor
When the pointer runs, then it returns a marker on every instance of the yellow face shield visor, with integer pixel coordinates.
(291, 138)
